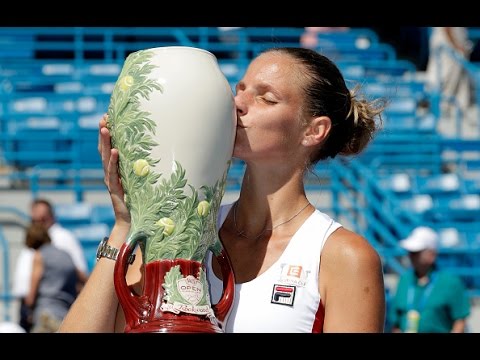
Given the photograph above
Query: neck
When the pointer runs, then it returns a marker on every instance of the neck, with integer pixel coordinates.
(244, 229)
(423, 275)
(262, 205)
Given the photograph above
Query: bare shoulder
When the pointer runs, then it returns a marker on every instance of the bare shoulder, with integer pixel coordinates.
(351, 284)
(348, 252)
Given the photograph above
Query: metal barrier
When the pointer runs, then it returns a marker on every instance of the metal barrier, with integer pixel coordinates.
(5, 296)
(357, 196)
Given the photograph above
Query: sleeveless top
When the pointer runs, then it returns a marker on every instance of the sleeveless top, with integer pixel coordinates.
(57, 289)
(285, 298)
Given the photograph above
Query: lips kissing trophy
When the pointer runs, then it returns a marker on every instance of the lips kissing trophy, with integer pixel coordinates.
(172, 118)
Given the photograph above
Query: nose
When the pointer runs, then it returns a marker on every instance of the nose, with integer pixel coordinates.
(241, 103)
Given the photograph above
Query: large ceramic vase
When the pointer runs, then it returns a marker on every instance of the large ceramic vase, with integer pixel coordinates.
(172, 118)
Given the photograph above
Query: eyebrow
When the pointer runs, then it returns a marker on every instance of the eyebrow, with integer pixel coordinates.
(269, 88)
(262, 87)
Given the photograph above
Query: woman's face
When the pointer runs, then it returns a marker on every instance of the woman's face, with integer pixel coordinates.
(269, 100)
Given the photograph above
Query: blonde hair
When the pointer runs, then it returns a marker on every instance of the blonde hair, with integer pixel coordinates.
(363, 114)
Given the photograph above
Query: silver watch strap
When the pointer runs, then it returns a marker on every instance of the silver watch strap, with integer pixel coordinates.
(111, 252)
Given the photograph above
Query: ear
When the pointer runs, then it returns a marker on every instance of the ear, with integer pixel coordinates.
(317, 131)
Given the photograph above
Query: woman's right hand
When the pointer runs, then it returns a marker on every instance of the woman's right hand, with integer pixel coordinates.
(112, 178)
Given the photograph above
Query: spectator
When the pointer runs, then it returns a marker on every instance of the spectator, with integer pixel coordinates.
(54, 280)
(428, 300)
(447, 74)
(309, 38)
(230, 37)
(42, 213)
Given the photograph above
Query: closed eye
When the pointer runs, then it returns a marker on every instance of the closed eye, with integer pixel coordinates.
(271, 102)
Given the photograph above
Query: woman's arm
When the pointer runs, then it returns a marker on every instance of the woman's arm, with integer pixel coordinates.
(37, 273)
(351, 284)
(95, 309)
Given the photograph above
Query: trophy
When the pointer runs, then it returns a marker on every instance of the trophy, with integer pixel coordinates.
(172, 118)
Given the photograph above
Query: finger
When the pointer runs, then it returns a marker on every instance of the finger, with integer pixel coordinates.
(101, 124)
(113, 177)
(104, 120)
(105, 147)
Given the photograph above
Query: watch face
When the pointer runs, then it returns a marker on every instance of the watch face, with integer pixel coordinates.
(101, 247)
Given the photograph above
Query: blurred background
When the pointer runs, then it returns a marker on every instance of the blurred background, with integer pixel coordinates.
(423, 168)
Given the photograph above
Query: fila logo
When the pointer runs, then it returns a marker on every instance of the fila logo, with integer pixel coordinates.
(283, 294)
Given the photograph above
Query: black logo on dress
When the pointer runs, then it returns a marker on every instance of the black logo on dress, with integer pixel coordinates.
(283, 294)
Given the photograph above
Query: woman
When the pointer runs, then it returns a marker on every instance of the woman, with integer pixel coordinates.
(54, 278)
(294, 109)
(446, 74)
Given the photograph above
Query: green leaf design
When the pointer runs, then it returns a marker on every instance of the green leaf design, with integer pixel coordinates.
(149, 195)
(169, 284)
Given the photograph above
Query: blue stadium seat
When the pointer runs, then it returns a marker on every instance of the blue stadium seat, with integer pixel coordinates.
(418, 204)
(89, 236)
(103, 214)
(400, 184)
(442, 185)
(31, 139)
(73, 214)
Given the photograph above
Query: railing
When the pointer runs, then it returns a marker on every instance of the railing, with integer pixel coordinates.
(377, 214)
(113, 44)
(5, 296)
(357, 196)
(19, 219)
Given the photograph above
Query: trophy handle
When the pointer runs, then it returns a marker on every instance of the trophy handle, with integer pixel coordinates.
(136, 308)
(223, 307)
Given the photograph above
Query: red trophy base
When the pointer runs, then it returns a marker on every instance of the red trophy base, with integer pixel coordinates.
(178, 324)
(184, 307)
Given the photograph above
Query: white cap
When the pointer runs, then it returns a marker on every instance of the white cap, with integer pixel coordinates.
(421, 238)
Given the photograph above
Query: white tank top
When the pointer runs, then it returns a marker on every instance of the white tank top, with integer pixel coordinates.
(285, 298)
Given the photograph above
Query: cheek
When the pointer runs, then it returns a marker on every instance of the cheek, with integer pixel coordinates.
(248, 141)
(262, 143)
(273, 129)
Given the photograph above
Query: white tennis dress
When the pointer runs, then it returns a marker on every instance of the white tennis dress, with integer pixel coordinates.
(285, 298)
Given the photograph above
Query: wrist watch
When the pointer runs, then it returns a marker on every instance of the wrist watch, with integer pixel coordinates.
(110, 252)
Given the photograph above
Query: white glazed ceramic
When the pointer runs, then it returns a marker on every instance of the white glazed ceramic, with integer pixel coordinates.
(173, 119)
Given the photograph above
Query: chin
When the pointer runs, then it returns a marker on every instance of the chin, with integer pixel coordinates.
(238, 154)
